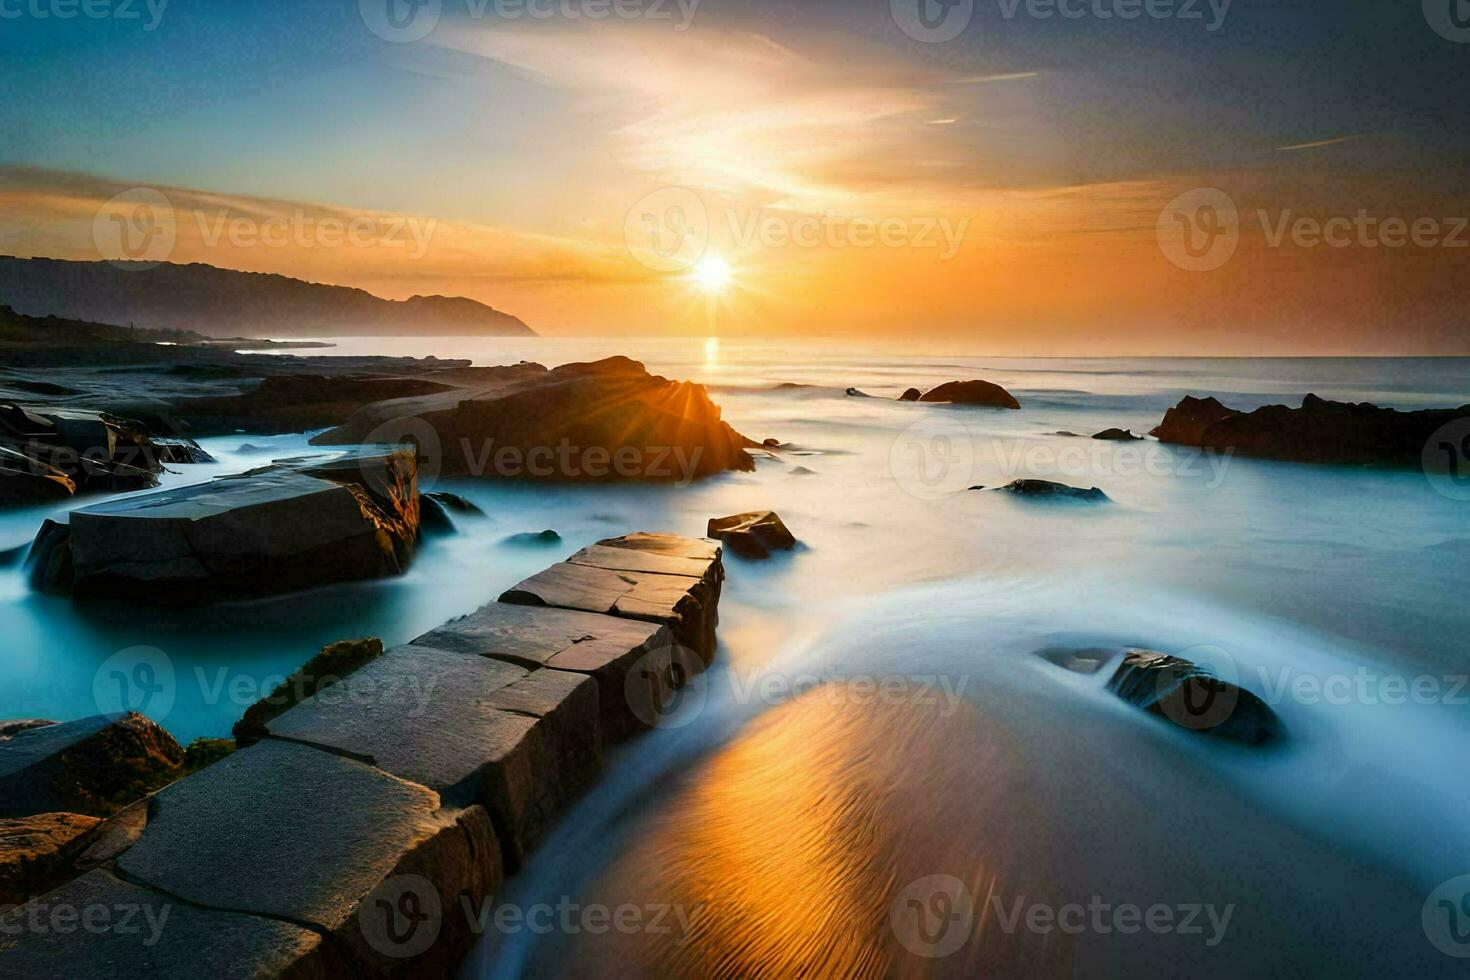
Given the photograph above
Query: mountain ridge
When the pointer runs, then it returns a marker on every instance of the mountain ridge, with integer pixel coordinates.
(219, 302)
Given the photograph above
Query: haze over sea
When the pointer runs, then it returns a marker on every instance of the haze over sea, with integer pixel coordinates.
(1336, 594)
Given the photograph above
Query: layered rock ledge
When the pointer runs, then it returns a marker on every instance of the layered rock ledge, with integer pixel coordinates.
(281, 528)
(600, 421)
(365, 832)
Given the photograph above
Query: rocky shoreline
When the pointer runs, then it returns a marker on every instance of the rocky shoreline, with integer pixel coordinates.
(352, 831)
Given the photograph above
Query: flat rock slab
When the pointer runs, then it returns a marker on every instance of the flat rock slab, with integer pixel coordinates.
(98, 926)
(616, 653)
(259, 533)
(91, 766)
(299, 834)
(470, 728)
(617, 577)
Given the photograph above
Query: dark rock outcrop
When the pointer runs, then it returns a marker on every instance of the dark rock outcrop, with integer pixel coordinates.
(911, 395)
(971, 393)
(1118, 435)
(754, 535)
(1191, 697)
(855, 393)
(1047, 490)
(92, 767)
(49, 451)
(1185, 424)
(297, 524)
(1320, 431)
(605, 421)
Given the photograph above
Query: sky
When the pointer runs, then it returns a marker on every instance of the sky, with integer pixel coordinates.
(1012, 176)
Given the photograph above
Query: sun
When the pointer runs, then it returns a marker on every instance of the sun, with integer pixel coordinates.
(712, 274)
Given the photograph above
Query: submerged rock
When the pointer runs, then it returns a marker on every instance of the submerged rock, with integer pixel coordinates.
(1118, 435)
(533, 539)
(605, 421)
(855, 393)
(295, 525)
(754, 535)
(93, 766)
(455, 503)
(1046, 489)
(911, 395)
(1320, 431)
(1191, 697)
(971, 393)
(772, 443)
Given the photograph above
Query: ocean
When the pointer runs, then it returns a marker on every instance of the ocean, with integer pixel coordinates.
(878, 718)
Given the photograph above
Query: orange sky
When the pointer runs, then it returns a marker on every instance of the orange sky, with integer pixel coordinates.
(852, 187)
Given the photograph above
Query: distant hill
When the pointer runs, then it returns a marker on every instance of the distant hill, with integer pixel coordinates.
(222, 303)
(17, 328)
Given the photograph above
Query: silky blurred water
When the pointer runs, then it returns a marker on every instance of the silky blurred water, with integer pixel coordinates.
(796, 806)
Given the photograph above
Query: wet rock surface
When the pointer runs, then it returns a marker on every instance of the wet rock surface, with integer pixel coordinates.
(1191, 697)
(1117, 435)
(278, 529)
(293, 833)
(621, 655)
(645, 577)
(754, 535)
(470, 728)
(161, 938)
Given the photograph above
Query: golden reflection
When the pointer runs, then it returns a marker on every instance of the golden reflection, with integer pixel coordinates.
(791, 845)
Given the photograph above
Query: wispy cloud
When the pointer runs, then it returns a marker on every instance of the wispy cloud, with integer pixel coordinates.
(1319, 143)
